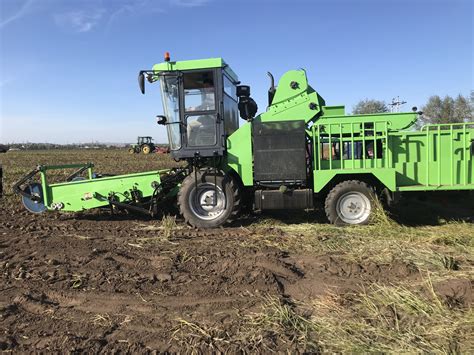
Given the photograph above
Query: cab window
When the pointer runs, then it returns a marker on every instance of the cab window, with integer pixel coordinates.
(199, 91)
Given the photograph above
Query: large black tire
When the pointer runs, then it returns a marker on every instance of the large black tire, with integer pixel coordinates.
(201, 211)
(146, 149)
(350, 202)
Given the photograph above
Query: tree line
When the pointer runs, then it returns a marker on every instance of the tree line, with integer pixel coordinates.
(437, 110)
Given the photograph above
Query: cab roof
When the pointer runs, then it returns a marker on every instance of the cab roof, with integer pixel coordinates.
(196, 64)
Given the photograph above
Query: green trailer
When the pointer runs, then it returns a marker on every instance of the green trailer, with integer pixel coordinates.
(294, 155)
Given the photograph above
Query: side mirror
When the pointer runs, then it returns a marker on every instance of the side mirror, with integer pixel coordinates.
(160, 119)
(141, 82)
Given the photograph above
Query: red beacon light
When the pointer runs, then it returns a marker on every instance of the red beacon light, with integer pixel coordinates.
(167, 56)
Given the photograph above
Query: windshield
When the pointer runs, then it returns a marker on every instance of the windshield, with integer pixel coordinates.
(169, 93)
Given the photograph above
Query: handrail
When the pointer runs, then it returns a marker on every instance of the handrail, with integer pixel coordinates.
(345, 135)
(449, 125)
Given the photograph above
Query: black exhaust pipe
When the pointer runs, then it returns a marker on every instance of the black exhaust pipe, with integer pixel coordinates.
(271, 90)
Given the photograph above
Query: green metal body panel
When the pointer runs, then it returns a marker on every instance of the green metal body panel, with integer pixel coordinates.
(334, 110)
(438, 157)
(194, 65)
(294, 100)
(239, 153)
(386, 176)
(92, 193)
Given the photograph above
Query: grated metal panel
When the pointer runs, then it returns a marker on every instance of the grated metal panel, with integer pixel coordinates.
(279, 151)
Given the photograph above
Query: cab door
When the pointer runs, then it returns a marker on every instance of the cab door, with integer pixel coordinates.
(201, 102)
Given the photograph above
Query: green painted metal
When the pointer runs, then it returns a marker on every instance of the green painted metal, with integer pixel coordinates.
(239, 153)
(400, 158)
(195, 64)
(338, 149)
(437, 157)
(92, 193)
(395, 121)
(334, 110)
(294, 99)
(291, 102)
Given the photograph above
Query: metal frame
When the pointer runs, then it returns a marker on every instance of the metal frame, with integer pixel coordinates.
(96, 192)
(441, 159)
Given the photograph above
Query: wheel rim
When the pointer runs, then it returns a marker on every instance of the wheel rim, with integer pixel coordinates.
(146, 150)
(208, 202)
(353, 207)
(37, 206)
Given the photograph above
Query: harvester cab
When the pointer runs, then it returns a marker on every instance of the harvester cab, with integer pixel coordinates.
(200, 103)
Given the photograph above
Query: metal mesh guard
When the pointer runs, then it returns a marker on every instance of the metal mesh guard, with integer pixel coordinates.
(279, 151)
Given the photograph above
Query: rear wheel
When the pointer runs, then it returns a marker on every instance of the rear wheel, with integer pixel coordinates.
(210, 203)
(146, 149)
(350, 203)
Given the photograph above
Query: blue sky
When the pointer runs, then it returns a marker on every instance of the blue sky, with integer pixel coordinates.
(69, 68)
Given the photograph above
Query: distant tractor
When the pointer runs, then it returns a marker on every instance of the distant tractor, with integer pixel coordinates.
(144, 145)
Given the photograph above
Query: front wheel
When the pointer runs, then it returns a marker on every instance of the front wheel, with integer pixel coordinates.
(207, 200)
(350, 203)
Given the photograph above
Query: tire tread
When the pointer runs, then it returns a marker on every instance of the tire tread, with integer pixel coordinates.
(331, 212)
(184, 210)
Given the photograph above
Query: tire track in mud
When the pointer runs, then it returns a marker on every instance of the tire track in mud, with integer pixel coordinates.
(95, 284)
(69, 283)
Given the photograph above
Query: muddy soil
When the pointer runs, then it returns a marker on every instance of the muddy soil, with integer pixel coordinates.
(95, 283)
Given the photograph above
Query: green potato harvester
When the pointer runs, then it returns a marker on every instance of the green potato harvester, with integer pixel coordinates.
(298, 154)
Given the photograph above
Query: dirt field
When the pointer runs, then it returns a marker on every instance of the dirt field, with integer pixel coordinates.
(92, 282)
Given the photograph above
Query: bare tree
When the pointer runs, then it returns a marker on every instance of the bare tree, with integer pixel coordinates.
(369, 106)
(448, 110)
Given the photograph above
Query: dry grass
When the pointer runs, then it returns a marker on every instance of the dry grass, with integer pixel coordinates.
(391, 319)
(380, 319)
(441, 247)
(194, 337)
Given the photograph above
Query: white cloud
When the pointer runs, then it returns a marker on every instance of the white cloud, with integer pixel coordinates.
(19, 14)
(133, 7)
(80, 21)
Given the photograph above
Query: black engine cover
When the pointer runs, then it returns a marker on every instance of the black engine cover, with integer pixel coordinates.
(279, 150)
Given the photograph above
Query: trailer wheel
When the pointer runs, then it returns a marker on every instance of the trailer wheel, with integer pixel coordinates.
(214, 201)
(350, 202)
(146, 149)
